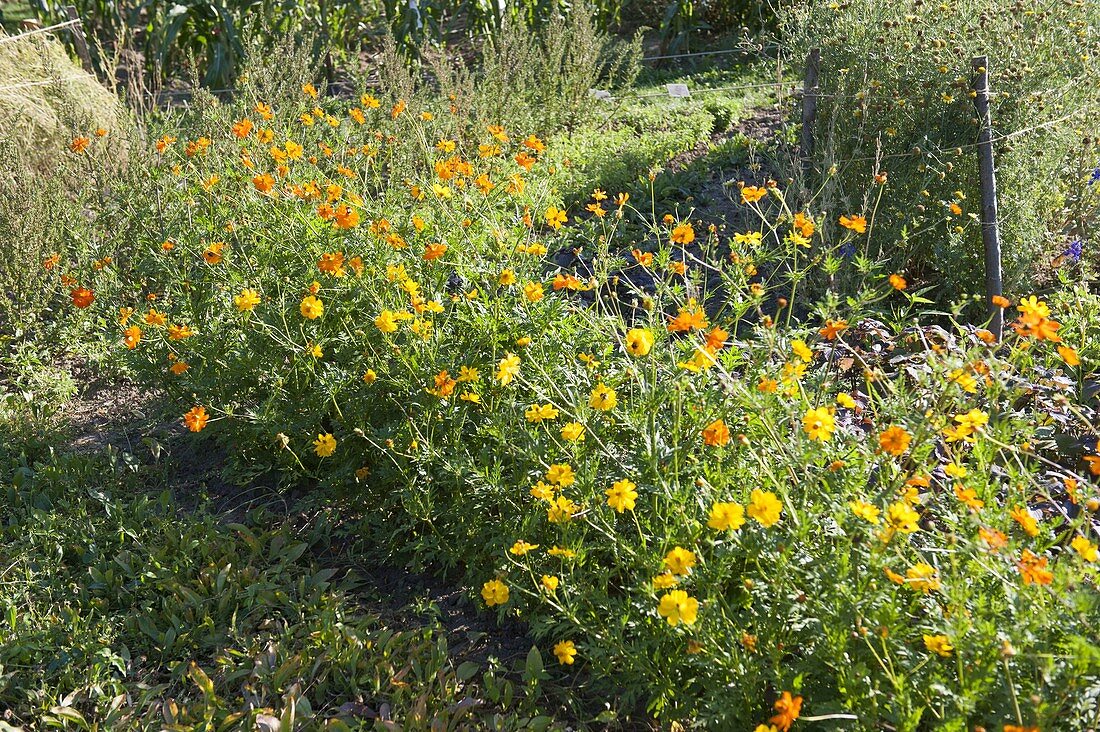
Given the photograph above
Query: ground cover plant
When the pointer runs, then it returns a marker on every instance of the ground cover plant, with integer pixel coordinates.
(867, 517)
(156, 616)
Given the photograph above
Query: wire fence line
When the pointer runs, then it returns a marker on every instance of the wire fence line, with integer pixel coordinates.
(46, 82)
(39, 31)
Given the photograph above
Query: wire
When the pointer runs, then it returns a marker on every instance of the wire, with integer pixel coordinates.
(689, 55)
(706, 90)
(37, 31)
(47, 82)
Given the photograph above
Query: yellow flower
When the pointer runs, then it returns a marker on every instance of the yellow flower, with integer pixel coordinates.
(507, 278)
(1033, 306)
(639, 342)
(678, 607)
(664, 581)
(561, 510)
(533, 291)
(819, 424)
(370, 377)
(621, 495)
(603, 398)
(845, 400)
(508, 368)
(765, 507)
(938, 644)
(561, 475)
(573, 432)
(555, 217)
(680, 560)
(543, 491)
(246, 300)
(922, 576)
(865, 511)
(954, 470)
(1087, 549)
(726, 517)
(386, 321)
(802, 351)
(540, 413)
(324, 445)
(565, 651)
(901, 517)
(311, 307)
(494, 592)
(521, 547)
(550, 582)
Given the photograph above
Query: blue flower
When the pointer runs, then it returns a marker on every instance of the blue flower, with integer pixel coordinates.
(847, 250)
(1095, 178)
(1075, 250)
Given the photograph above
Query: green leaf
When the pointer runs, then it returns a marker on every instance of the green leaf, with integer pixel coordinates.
(467, 671)
(533, 668)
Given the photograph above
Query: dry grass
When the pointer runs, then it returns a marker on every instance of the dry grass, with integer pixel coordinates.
(45, 99)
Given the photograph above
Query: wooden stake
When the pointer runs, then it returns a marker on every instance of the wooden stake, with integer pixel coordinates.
(79, 40)
(991, 233)
(809, 108)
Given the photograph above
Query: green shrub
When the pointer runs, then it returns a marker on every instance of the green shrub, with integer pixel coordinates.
(379, 318)
(896, 80)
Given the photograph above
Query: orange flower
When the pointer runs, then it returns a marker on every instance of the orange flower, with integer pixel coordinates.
(787, 710)
(993, 538)
(895, 440)
(833, 328)
(716, 339)
(690, 317)
(213, 253)
(1069, 356)
(525, 161)
(683, 234)
(804, 224)
(80, 144)
(1000, 301)
(858, 224)
(132, 336)
(242, 128)
(346, 217)
(434, 251)
(1094, 463)
(752, 194)
(1033, 569)
(82, 297)
(263, 182)
(716, 434)
(332, 263)
(898, 282)
(196, 419)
